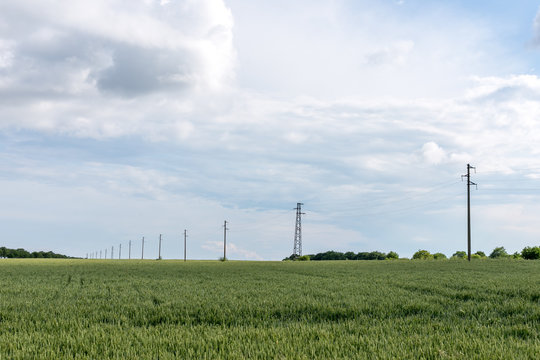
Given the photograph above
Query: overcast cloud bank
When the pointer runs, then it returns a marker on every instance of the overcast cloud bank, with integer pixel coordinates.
(158, 116)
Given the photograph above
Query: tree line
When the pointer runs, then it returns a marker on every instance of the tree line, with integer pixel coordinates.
(23, 254)
(336, 255)
(528, 253)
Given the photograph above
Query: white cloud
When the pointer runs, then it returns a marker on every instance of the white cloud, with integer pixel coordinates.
(347, 103)
(6, 54)
(433, 153)
(395, 53)
(123, 47)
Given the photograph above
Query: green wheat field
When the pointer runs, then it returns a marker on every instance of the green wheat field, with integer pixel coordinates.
(120, 309)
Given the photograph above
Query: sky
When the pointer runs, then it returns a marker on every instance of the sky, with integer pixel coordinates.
(122, 119)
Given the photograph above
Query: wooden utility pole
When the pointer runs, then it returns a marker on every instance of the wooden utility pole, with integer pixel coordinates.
(142, 249)
(129, 252)
(469, 183)
(225, 240)
(119, 251)
(185, 237)
(159, 254)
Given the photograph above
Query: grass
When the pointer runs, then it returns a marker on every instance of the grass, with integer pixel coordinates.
(90, 309)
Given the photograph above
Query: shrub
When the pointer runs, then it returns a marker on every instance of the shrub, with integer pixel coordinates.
(392, 255)
(460, 255)
(422, 255)
(531, 253)
(498, 252)
(439, 256)
(481, 254)
(303, 258)
(516, 255)
(475, 256)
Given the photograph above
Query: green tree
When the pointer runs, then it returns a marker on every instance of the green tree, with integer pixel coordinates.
(303, 258)
(498, 252)
(376, 255)
(422, 255)
(439, 256)
(460, 255)
(516, 255)
(362, 256)
(481, 254)
(531, 253)
(392, 255)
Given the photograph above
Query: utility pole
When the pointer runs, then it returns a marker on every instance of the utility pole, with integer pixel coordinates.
(129, 256)
(159, 256)
(100, 254)
(105, 254)
(469, 183)
(142, 252)
(119, 251)
(297, 250)
(225, 240)
(112, 252)
(185, 237)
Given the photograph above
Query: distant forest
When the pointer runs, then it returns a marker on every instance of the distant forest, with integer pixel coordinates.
(23, 254)
(336, 255)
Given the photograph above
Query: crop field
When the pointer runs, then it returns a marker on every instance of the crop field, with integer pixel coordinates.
(120, 309)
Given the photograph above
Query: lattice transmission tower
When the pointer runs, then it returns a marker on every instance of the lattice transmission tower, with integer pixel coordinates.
(298, 230)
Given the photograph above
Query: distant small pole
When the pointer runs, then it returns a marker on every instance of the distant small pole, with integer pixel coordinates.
(225, 240)
(112, 252)
(100, 254)
(185, 236)
(119, 251)
(159, 253)
(129, 250)
(142, 253)
(105, 254)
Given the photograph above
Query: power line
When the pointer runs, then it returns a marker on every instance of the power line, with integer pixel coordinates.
(388, 201)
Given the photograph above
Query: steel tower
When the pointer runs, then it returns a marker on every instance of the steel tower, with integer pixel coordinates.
(298, 230)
